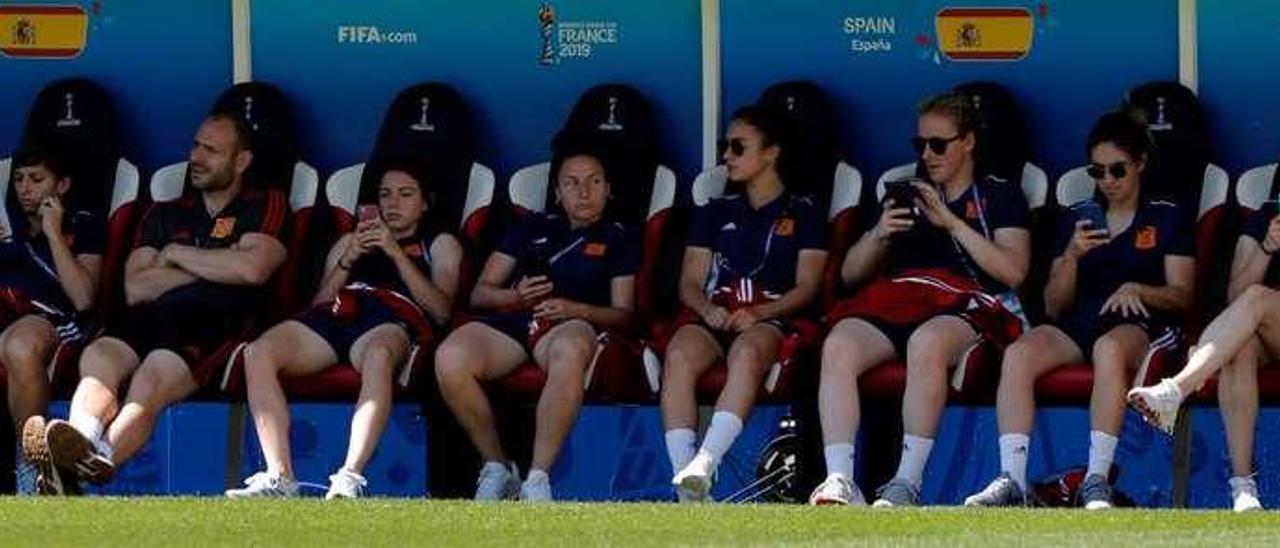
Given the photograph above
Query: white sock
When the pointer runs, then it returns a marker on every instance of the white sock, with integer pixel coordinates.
(682, 443)
(87, 424)
(839, 459)
(915, 454)
(1102, 450)
(1013, 457)
(725, 427)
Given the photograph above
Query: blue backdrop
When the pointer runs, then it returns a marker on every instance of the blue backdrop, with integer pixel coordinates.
(1079, 65)
(1239, 52)
(164, 62)
(492, 52)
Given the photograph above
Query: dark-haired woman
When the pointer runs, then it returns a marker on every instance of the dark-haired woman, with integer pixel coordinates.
(1114, 291)
(947, 255)
(48, 276)
(753, 262)
(553, 285)
(387, 284)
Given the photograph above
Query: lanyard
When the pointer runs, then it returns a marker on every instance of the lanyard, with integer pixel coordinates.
(965, 259)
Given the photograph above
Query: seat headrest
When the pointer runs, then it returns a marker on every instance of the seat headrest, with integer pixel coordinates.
(1002, 148)
(1179, 131)
(429, 128)
(811, 137)
(615, 122)
(78, 118)
(268, 114)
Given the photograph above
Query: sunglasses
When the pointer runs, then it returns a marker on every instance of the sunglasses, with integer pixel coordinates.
(936, 144)
(1117, 170)
(734, 146)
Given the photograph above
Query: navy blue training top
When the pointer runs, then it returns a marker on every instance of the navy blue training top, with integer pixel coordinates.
(761, 244)
(987, 206)
(581, 263)
(26, 263)
(1135, 255)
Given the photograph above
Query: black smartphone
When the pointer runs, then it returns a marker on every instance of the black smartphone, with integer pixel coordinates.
(903, 193)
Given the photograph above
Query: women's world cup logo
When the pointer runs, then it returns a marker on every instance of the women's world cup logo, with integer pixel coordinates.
(546, 24)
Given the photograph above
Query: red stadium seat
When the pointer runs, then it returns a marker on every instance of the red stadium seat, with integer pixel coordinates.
(616, 373)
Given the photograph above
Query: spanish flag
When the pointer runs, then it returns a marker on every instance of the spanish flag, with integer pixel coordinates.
(42, 31)
(984, 34)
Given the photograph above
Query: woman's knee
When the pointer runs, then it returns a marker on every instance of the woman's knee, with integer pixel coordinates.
(453, 361)
(1112, 358)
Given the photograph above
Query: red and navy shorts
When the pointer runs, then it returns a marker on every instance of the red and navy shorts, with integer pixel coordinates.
(342, 329)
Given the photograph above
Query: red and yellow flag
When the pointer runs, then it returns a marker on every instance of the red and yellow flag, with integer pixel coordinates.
(42, 31)
(984, 34)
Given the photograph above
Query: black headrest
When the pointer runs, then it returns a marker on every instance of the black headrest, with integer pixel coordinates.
(616, 123)
(268, 114)
(811, 142)
(1179, 131)
(1002, 148)
(428, 126)
(78, 118)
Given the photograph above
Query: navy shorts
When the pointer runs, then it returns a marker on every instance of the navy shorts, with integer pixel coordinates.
(342, 332)
(1085, 332)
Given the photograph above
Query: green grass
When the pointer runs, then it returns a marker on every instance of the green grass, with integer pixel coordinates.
(311, 522)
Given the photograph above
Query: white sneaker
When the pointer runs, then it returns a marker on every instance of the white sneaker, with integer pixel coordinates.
(693, 482)
(1158, 404)
(837, 489)
(345, 484)
(1244, 495)
(265, 484)
(497, 481)
(536, 487)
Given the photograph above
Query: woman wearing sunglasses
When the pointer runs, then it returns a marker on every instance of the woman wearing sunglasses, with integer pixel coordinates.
(934, 267)
(549, 289)
(1114, 291)
(753, 262)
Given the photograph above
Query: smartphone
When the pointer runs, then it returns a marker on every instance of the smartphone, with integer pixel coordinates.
(903, 193)
(367, 212)
(1090, 210)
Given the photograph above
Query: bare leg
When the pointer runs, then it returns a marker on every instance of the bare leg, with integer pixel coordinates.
(565, 352)
(1238, 400)
(1037, 352)
(375, 355)
(162, 379)
(473, 353)
(1257, 309)
(1116, 355)
(931, 352)
(853, 347)
(290, 348)
(25, 348)
(690, 353)
(105, 364)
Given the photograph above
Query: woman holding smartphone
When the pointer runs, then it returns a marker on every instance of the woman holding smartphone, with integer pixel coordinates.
(930, 272)
(1114, 291)
(387, 284)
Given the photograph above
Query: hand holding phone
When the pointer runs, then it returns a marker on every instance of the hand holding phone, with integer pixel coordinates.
(1091, 211)
(367, 212)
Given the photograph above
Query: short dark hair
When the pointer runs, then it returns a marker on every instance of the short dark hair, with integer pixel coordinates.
(955, 106)
(41, 155)
(1124, 130)
(244, 135)
(570, 144)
